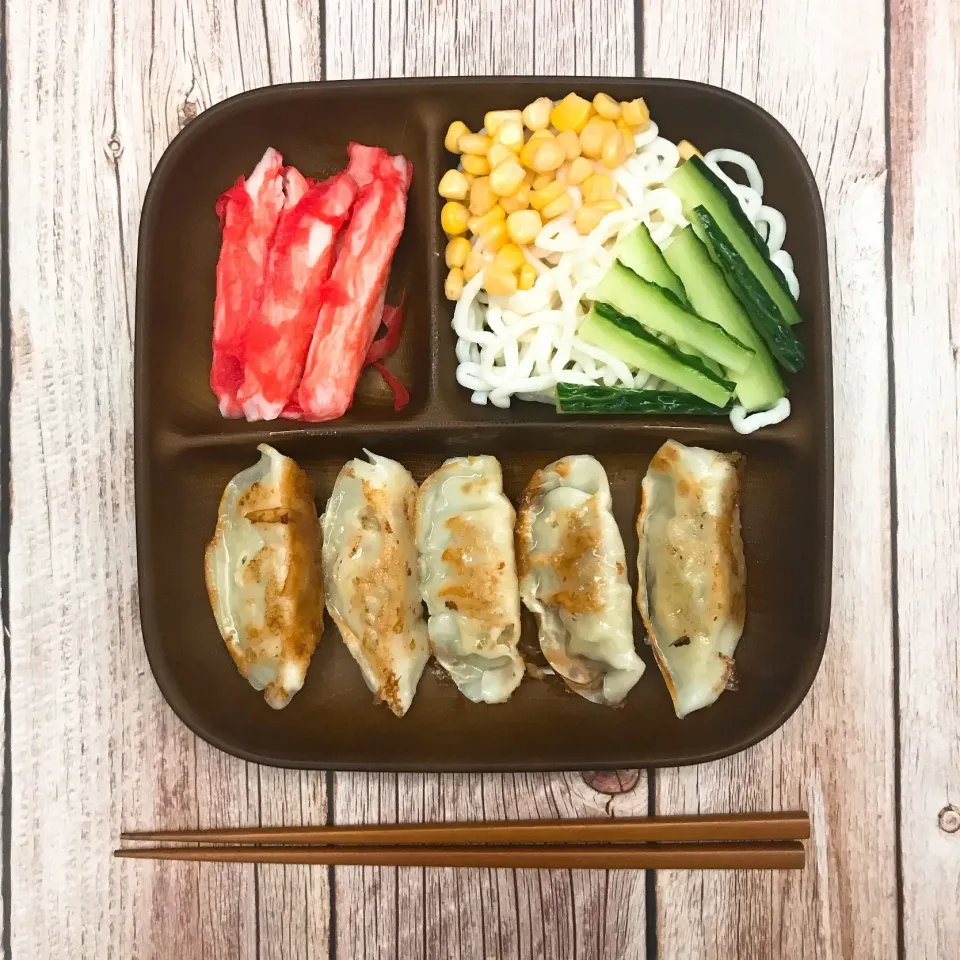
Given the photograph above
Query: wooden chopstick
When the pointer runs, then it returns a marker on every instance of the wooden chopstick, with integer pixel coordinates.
(785, 855)
(750, 827)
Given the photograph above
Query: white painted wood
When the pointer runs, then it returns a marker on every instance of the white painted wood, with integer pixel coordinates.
(818, 67)
(474, 913)
(294, 901)
(96, 93)
(925, 88)
(5, 347)
(383, 912)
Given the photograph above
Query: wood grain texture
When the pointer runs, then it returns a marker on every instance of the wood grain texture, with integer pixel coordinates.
(924, 135)
(96, 93)
(473, 913)
(818, 67)
(4, 514)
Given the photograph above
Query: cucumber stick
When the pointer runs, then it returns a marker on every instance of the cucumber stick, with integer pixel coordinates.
(625, 338)
(759, 387)
(662, 312)
(767, 320)
(638, 251)
(573, 398)
(696, 185)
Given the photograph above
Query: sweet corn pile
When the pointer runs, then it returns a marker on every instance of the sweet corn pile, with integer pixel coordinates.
(525, 169)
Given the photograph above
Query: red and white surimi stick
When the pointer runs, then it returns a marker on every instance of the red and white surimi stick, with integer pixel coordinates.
(363, 162)
(353, 301)
(300, 261)
(248, 214)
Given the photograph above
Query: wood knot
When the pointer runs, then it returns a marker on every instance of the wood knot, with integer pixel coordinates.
(611, 782)
(114, 148)
(188, 111)
(949, 819)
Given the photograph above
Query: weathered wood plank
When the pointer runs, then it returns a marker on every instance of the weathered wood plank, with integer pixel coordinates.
(818, 67)
(95, 96)
(72, 597)
(294, 901)
(924, 93)
(5, 505)
(431, 913)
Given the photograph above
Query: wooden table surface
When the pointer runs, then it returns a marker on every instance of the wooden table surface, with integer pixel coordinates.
(95, 90)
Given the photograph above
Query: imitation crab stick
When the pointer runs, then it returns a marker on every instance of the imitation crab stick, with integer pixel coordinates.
(353, 299)
(248, 213)
(299, 264)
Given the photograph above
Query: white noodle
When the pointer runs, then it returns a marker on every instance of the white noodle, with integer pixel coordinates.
(748, 423)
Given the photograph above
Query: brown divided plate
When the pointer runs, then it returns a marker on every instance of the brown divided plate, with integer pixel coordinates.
(185, 452)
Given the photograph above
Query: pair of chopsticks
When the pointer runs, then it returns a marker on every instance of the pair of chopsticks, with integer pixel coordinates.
(762, 841)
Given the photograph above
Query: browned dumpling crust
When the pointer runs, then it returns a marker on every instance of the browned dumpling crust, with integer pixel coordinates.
(264, 575)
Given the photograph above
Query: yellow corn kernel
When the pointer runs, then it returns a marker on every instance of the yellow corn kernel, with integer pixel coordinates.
(542, 180)
(610, 206)
(475, 263)
(482, 197)
(536, 115)
(591, 140)
(527, 277)
(587, 218)
(510, 256)
(494, 238)
(517, 201)
(597, 187)
(687, 150)
(510, 135)
(493, 119)
(453, 218)
(636, 113)
(475, 143)
(453, 186)
(453, 285)
(523, 226)
(614, 151)
(498, 154)
(629, 143)
(589, 215)
(507, 178)
(593, 136)
(456, 252)
(580, 169)
(571, 113)
(454, 132)
(528, 150)
(478, 225)
(546, 156)
(476, 166)
(559, 207)
(570, 143)
(606, 107)
(541, 198)
(529, 178)
(499, 281)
